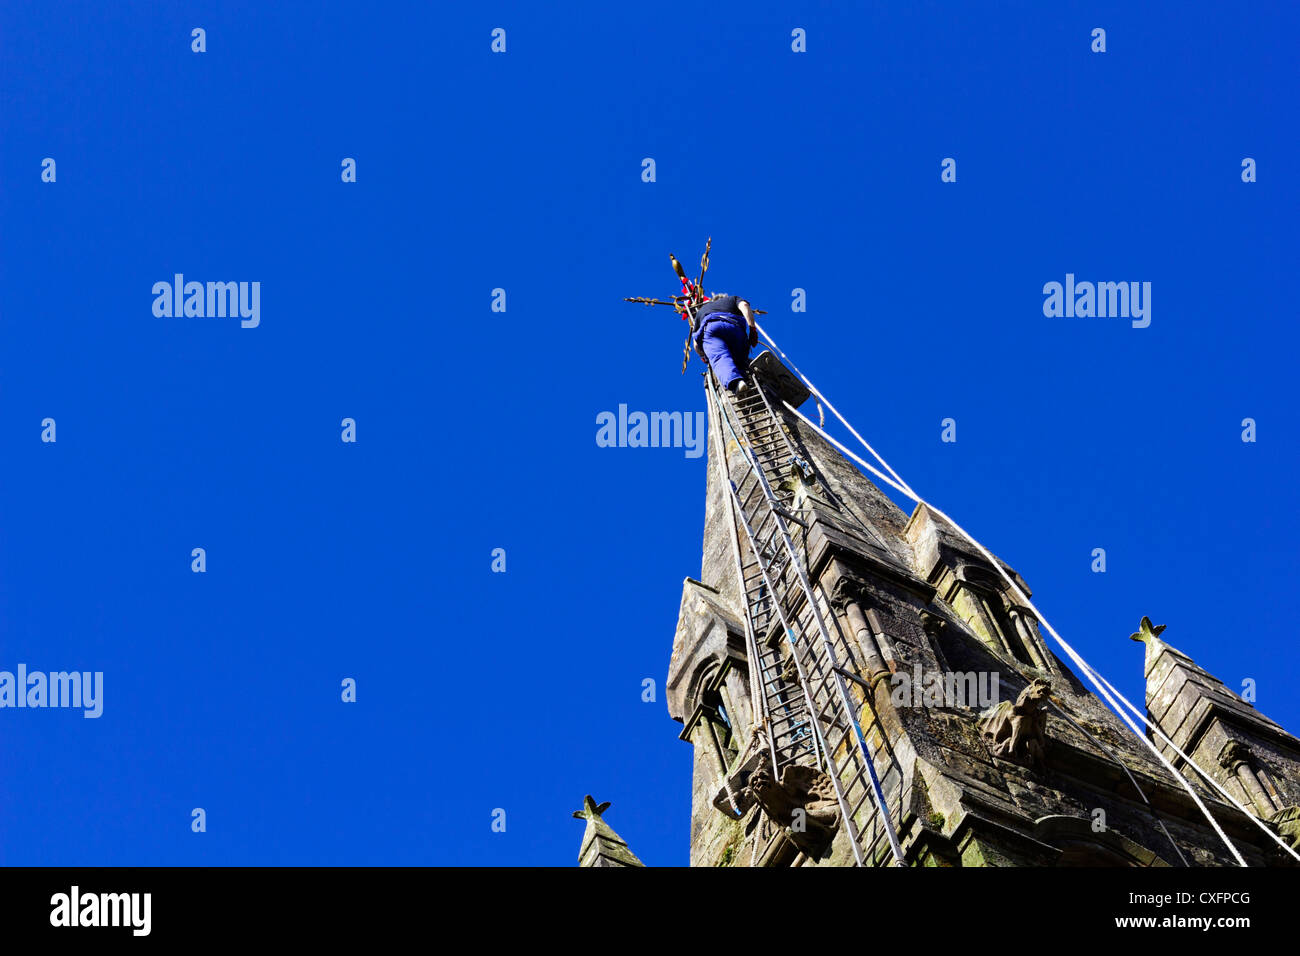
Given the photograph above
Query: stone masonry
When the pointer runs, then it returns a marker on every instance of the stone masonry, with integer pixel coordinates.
(1003, 757)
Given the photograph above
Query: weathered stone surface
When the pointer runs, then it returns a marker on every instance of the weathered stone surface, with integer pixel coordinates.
(601, 846)
(788, 386)
(803, 801)
(709, 632)
(907, 596)
(1019, 731)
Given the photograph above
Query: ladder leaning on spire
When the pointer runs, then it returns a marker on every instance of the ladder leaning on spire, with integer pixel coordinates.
(810, 716)
(781, 601)
(813, 715)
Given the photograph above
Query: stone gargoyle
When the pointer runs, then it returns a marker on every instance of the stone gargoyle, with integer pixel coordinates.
(1018, 731)
(804, 789)
(1287, 823)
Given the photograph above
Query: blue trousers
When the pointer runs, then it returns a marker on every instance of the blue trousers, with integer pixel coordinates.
(726, 344)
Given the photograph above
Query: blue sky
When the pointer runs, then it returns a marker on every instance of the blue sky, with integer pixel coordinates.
(476, 429)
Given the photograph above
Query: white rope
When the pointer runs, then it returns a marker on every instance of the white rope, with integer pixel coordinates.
(1161, 734)
(824, 400)
(841, 793)
(1104, 687)
(1083, 665)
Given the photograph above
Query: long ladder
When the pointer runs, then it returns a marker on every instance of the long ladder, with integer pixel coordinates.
(782, 707)
(812, 715)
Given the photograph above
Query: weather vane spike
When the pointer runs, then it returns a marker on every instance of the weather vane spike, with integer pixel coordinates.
(704, 263)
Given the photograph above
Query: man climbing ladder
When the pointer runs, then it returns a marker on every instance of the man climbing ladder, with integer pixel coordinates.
(724, 333)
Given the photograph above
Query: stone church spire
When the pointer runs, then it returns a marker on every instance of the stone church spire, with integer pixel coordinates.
(987, 749)
(1248, 754)
(601, 846)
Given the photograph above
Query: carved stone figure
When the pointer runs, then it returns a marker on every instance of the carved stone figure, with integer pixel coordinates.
(801, 788)
(1019, 731)
(1287, 823)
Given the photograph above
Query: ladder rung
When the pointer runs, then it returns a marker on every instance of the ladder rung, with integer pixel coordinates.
(791, 722)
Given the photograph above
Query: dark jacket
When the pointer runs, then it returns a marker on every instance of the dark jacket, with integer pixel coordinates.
(729, 304)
